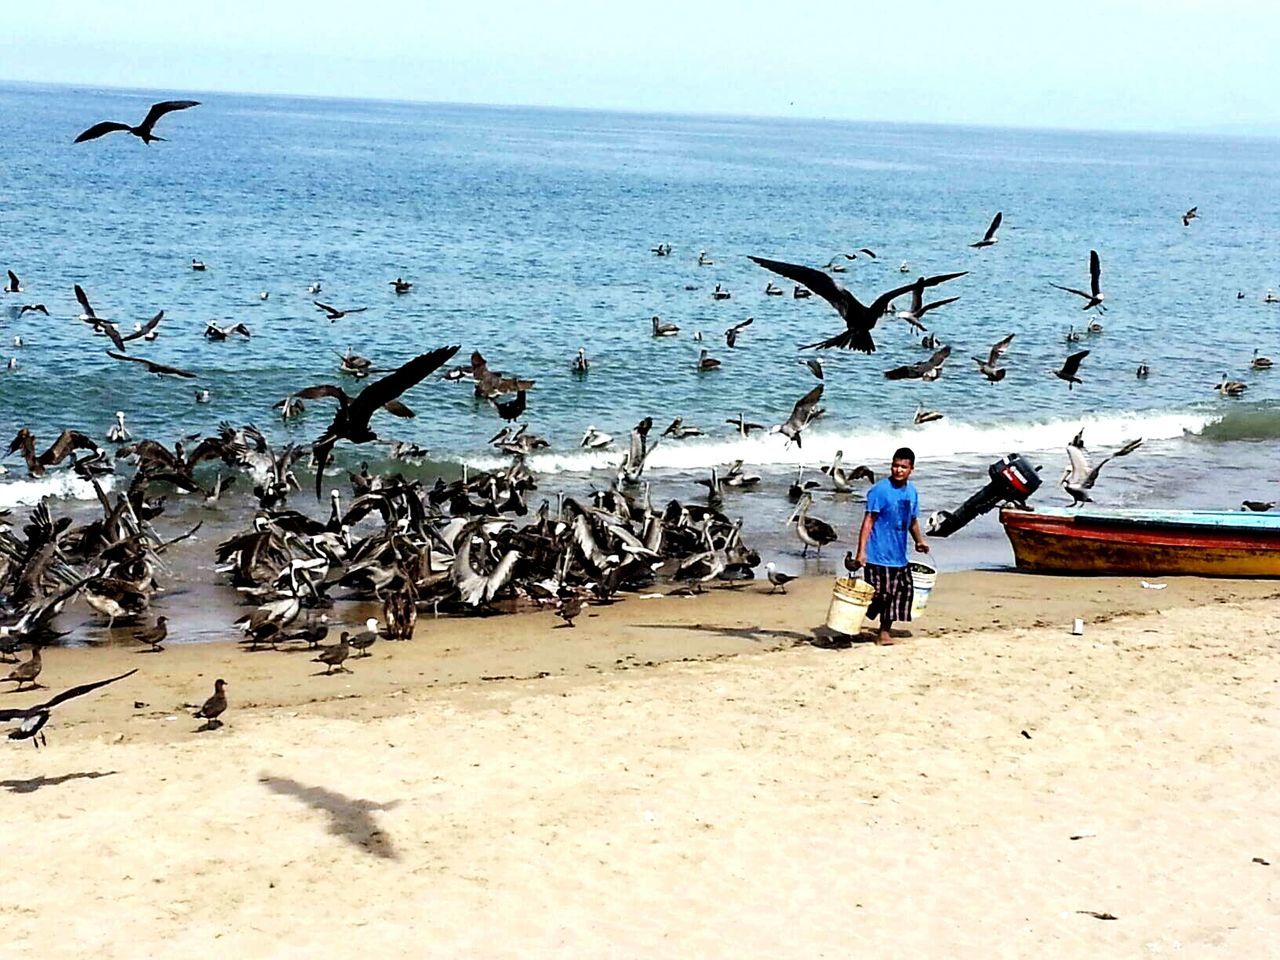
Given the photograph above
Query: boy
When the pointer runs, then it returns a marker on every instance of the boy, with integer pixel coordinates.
(893, 511)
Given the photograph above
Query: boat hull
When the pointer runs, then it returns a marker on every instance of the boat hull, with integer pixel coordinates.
(1204, 545)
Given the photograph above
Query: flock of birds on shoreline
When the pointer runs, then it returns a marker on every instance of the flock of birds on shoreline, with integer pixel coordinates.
(460, 546)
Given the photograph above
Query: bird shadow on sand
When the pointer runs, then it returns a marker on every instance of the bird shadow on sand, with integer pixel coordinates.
(779, 638)
(35, 783)
(349, 818)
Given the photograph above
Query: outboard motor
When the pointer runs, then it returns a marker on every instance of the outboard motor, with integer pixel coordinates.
(1013, 480)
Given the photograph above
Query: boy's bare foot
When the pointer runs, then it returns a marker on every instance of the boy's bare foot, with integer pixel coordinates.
(885, 639)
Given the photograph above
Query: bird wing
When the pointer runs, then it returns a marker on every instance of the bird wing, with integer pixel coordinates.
(158, 110)
(1191, 212)
(917, 370)
(67, 441)
(146, 328)
(84, 301)
(917, 296)
(398, 409)
(1080, 470)
(13, 281)
(381, 392)
(869, 253)
(1095, 272)
(925, 308)
(817, 281)
(1078, 293)
(998, 349)
(322, 451)
(332, 312)
(881, 303)
(1072, 364)
(65, 695)
(101, 130)
(111, 332)
(745, 323)
(152, 366)
(322, 390)
(802, 412)
(995, 225)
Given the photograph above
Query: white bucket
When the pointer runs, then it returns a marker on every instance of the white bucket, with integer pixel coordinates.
(849, 602)
(923, 577)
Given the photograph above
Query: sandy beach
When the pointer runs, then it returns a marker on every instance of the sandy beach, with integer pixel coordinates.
(674, 777)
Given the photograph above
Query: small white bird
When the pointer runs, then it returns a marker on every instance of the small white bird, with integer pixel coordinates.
(314, 288)
(118, 432)
(263, 295)
(203, 396)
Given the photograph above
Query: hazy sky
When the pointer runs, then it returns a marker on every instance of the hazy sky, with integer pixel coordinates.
(1098, 64)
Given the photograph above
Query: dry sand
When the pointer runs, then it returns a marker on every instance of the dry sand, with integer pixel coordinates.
(673, 777)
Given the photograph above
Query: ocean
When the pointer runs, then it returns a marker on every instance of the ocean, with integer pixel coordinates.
(527, 234)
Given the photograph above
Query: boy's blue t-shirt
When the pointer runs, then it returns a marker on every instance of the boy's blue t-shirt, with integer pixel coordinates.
(894, 509)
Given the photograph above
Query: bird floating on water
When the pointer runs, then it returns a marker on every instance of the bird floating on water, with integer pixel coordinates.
(661, 329)
(401, 285)
(925, 416)
(1230, 388)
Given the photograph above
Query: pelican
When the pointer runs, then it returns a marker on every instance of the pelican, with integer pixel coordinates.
(707, 362)
(203, 396)
(811, 531)
(771, 291)
(197, 265)
(1230, 388)
(834, 267)
(595, 439)
(117, 432)
(1271, 297)
(1072, 336)
(704, 260)
(800, 293)
(843, 480)
(401, 285)
(1093, 327)
(743, 425)
(800, 485)
(1260, 363)
(314, 288)
(580, 363)
(678, 431)
(815, 367)
(1144, 371)
(737, 477)
(661, 329)
(925, 416)
(904, 267)
(719, 293)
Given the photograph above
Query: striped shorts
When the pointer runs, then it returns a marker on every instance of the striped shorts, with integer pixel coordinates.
(894, 592)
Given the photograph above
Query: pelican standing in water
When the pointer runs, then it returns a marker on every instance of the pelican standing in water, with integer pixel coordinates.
(843, 480)
(812, 531)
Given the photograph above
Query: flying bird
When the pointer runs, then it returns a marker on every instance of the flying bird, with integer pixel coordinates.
(859, 318)
(333, 313)
(351, 422)
(731, 335)
(988, 367)
(804, 411)
(143, 130)
(13, 286)
(1070, 367)
(35, 717)
(921, 370)
(919, 308)
(1080, 476)
(33, 308)
(159, 369)
(990, 237)
(1095, 297)
(1189, 216)
(91, 317)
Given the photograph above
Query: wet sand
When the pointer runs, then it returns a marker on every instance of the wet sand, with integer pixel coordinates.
(677, 777)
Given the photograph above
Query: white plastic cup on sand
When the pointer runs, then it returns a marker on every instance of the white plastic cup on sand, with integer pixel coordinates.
(1077, 628)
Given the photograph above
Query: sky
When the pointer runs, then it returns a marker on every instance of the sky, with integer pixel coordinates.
(1177, 65)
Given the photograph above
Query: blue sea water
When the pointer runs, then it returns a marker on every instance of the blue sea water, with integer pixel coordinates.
(528, 232)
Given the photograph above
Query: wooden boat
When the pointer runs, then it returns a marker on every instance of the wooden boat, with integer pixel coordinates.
(1146, 542)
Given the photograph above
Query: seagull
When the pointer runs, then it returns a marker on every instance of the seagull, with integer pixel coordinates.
(143, 130)
(731, 335)
(351, 422)
(35, 717)
(863, 250)
(1070, 367)
(988, 367)
(661, 250)
(815, 366)
(801, 415)
(214, 707)
(859, 318)
(1189, 216)
(333, 313)
(154, 636)
(159, 369)
(1079, 477)
(364, 641)
(919, 308)
(314, 288)
(990, 238)
(661, 329)
(777, 578)
(401, 285)
(707, 362)
(1095, 296)
(33, 308)
(27, 671)
(335, 655)
(13, 286)
(924, 370)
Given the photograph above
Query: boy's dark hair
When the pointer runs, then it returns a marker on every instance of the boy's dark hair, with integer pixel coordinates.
(905, 453)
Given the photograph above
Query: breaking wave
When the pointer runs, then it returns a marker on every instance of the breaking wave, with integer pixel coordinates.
(28, 491)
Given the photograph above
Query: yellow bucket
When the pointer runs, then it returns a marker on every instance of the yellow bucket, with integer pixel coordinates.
(849, 602)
